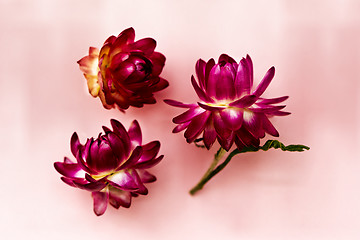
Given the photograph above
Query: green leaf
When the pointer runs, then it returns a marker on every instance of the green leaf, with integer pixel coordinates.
(275, 144)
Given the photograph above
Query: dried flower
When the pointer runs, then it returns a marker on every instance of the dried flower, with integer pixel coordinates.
(124, 73)
(112, 166)
(229, 110)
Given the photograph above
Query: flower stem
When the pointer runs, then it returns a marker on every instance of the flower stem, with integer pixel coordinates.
(219, 154)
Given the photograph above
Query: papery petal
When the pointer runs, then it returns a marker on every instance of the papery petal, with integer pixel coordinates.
(226, 143)
(75, 144)
(200, 72)
(124, 38)
(107, 160)
(273, 100)
(134, 158)
(101, 200)
(250, 70)
(181, 127)
(150, 163)
(122, 133)
(82, 163)
(119, 198)
(158, 61)
(124, 180)
(225, 87)
(70, 170)
(209, 135)
(221, 128)
(178, 104)
(232, 117)
(146, 45)
(242, 80)
(201, 94)
(268, 127)
(210, 107)
(196, 126)
(117, 145)
(188, 115)
(252, 122)
(214, 78)
(244, 102)
(264, 82)
(89, 186)
(226, 58)
(150, 150)
(135, 134)
(246, 138)
(209, 65)
(267, 110)
(145, 176)
(279, 113)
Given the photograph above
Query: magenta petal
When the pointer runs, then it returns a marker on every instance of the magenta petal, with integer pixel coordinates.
(273, 100)
(221, 128)
(135, 134)
(123, 135)
(265, 82)
(134, 158)
(253, 124)
(181, 127)
(201, 94)
(178, 104)
(101, 200)
(119, 198)
(196, 126)
(244, 102)
(226, 58)
(225, 87)
(246, 138)
(158, 61)
(92, 186)
(250, 69)
(70, 170)
(68, 181)
(125, 180)
(232, 117)
(146, 45)
(214, 78)
(227, 142)
(150, 150)
(200, 72)
(150, 163)
(211, 108)
(117, 145)
(145, 176)
(107, 161)
(125, 37)
(279, 113)
(188, 115)
(209, 135)
(75, 144)
(242, 80)
(268, 127)
(267, 110)
(82, 163)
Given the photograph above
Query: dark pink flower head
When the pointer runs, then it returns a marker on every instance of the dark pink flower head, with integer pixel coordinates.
(124, 73)
(229, 110)
(112, 166)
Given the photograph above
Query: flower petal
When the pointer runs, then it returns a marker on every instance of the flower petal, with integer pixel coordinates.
(244, 102)
(264, 82)
(119, 198)
(242, 80)
(188, 115)
(273, 100)
(92, 186)
(70, 170)
(232, 117)
(150, 163)
(145, 45)
(178, 104)
(200, 72)
(145, 176)
(122, 133)
(268, 127)
(101, 200)
(225, 85)
(211, 108)
(158, 61)
(246, 138)
(75, 144)
(214, 78)
(135, 134)
(209, 135)
(125, 180)
(201, 94)
(252, 122)
(196, 126)
(181, 127)
(134, 158)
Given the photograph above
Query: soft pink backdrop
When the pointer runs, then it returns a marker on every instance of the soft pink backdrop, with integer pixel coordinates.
(315, 47)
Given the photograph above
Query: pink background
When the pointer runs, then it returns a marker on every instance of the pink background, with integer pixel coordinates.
(315, 47)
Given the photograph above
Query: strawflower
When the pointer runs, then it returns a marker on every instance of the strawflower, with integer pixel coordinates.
(230, 110)
(112, 166)
(124, 73)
